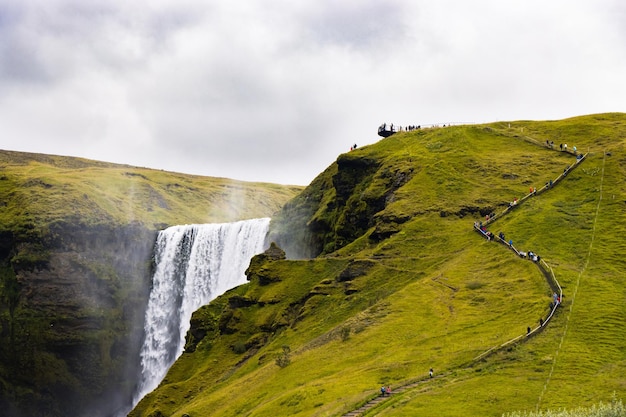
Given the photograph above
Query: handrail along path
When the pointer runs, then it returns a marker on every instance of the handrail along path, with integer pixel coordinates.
(545, 269)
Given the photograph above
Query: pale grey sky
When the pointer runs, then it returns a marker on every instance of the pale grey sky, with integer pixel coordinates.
(274, 90)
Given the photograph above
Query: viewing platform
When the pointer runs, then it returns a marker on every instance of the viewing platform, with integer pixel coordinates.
(385, 131)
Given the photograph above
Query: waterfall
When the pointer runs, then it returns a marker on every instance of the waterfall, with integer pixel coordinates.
(194, 264)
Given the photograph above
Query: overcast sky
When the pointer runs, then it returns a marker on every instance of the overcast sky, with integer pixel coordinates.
(274, 90)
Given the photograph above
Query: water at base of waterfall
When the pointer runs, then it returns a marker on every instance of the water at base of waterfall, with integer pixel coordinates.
(194, 264)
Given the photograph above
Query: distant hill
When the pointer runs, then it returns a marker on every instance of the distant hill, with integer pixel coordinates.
(386, 278)
(76, 241)
(49, 189)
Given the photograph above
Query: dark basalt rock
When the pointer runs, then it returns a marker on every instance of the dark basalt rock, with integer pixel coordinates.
(355, 269)
(257, 270)
(76, 296)
(238, 301)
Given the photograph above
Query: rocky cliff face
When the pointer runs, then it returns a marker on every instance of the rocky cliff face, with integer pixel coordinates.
(72, 318)
(76, 241)
(339, 206)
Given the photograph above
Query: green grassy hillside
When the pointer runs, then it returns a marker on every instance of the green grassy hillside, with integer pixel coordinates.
(76, 242)
(393, 281)
(39, 190)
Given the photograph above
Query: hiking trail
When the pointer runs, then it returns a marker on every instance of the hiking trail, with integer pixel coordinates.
(545, 269)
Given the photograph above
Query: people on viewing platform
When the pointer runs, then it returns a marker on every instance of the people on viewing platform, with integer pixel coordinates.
(385, 130)
(545, 269)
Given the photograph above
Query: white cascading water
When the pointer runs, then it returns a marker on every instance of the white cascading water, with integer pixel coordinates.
(194, 265)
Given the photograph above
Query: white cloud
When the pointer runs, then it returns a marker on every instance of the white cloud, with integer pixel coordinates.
(274, 90)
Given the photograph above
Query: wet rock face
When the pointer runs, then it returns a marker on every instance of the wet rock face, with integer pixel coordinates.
(341, 205)
(350, 173)
(257, 270)
(354, 270)
(73, 338)
(363, 190)
(274, 253)
(6, 244)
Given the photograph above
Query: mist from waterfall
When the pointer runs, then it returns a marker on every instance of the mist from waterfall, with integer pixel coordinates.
(194, 265)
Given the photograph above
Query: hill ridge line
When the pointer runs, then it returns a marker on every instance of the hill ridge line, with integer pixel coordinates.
(545, 269)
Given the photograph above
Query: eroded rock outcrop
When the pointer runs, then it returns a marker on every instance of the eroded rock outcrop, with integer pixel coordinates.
(71, 337)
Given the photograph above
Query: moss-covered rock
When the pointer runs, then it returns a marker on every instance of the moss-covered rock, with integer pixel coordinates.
(76, 241)
(340, 205)
(384, 277)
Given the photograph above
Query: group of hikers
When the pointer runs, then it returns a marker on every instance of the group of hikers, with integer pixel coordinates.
(501, 238)
(385, 130)
(385, 391)
(479, 226)
(391, 128)
(562, 146)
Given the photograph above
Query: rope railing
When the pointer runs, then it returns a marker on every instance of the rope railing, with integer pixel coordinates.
(579, 158)
(553, 282)
(545, 269)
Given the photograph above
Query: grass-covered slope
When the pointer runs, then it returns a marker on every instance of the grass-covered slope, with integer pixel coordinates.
(398, 283)
(38, 190)
(76, 240)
